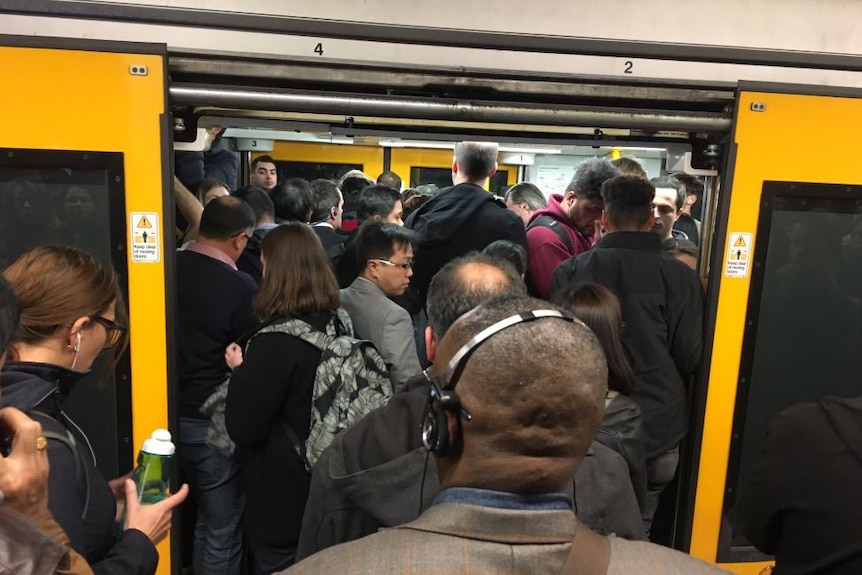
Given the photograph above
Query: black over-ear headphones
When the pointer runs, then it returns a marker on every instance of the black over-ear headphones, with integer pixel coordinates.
(442, 397)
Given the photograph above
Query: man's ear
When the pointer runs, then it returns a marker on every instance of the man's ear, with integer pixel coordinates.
(430, 344)
(494, 171)
(604, 219)
(650, 221)
(454, 166)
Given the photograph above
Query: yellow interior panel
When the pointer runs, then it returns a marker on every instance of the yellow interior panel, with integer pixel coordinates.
(82, 100)
(369, 157)
(405, 158)
(782, 142)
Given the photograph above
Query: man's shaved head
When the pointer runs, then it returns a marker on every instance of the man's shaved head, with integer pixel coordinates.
(534, 412)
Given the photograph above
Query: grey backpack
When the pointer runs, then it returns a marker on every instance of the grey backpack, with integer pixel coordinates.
(351, 381)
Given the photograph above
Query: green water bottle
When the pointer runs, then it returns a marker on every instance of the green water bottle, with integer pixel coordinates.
(153, 474)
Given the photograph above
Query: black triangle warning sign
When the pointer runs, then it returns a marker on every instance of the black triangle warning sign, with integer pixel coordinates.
(144, 223)
(739, 243)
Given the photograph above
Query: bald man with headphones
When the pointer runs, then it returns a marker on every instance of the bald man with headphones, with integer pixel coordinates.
(507, 433)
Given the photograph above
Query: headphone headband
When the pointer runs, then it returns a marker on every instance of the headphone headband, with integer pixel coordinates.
(449, 377)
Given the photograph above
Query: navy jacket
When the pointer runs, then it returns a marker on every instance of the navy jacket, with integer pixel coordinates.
(663, 306)
(81, 502)
(194, 167)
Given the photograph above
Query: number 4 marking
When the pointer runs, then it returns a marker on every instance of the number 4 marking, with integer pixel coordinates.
(319, 49)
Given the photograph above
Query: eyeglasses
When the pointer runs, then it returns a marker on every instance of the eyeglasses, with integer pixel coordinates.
(405, 267)
(113, 330)
(247, 236)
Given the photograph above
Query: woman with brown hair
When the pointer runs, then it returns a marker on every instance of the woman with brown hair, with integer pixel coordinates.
(622, 426)
(71, 311)
(271, 389)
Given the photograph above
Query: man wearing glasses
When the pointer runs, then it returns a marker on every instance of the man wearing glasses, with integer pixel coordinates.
(387, 253)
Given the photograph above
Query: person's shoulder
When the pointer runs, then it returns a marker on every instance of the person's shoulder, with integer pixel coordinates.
(374, 554)
(648, 559)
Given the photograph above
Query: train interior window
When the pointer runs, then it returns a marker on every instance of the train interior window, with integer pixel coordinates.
(442, 178)
(804, 317)
(313, 170)
(67, 198)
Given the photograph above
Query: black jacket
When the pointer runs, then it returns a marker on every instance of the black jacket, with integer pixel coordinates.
(194, 167)
(249, 260)
(662, 302)
(377, 474)
(689, 226)
(456, 221)
(94, 533)
(271, 388)
(801, 498)
(329, 237)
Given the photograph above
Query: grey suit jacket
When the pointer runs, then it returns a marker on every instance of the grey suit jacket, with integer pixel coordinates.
(385, 324)
(472, 540)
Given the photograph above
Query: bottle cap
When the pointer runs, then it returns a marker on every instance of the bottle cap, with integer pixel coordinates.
(159, 443)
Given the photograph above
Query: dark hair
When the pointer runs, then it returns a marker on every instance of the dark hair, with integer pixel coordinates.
(630, 167)
(513, 253)
(225, 217)
(325, 196)
(261, 159)
(674, 184)
(56, 285)
(693, 186)
(351, 185)
(413, 203)
(259, 201)
(628, 201)
(209, 184)
(476, 160)
(9, 314)
(293, 200)
(379, 240)
(390, 179)
(599, 308)
(589, 177)
(298, 279)
(376, 200)
(527, 193)
(674, 247)
(457, 289)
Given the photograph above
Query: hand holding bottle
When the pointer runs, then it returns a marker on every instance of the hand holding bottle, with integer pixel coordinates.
(154, 520)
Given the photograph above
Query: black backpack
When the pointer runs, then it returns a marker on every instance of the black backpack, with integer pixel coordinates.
(53, 429)
(552, 224)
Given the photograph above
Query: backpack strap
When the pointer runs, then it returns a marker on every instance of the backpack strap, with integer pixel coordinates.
(590, 553)
(555, 226)
(53, 429)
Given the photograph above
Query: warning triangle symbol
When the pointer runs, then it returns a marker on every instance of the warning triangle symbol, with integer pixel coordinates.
(144, 223)
(739, 243)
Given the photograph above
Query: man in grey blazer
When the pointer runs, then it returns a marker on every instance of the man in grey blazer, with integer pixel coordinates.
(507, 433)
(385, 256)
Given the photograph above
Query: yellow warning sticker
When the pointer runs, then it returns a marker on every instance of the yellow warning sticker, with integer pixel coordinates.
(738, 255)
(145, 237)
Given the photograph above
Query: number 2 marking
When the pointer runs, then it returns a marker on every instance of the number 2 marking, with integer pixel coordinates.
(628, 68)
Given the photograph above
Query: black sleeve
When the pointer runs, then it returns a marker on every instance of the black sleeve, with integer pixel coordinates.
(562, 276)
(189, 169)
(133, 553)
(517, 233)
(243, 320)
(222, 166)
(771, 484)
(686, 325)
(258, 388)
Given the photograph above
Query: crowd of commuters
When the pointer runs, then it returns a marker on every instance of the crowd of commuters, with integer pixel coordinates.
(531, 431)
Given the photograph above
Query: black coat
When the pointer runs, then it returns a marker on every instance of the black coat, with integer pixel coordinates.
(271, 388)
(801, 498)
(663, 306)
(94, 533)
(458, 220)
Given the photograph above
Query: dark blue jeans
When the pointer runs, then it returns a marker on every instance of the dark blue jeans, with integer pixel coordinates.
(215, 484)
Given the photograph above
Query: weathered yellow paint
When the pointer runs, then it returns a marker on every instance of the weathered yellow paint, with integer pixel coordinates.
(79, 100)
(369, 157)
(784, 142)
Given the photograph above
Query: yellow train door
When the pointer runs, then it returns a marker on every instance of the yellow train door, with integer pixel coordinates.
(785, 285)
(84, 161)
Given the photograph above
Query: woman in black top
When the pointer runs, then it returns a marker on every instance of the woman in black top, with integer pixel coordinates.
(622, 426)
(271, 389)
(71, 311)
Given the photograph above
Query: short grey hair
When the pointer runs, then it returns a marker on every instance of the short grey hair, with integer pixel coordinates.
(527, 193)
(672, 183)
(476, 160)
(589, 177)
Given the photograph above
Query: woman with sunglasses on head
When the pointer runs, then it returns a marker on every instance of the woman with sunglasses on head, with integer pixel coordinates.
(71, 312)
